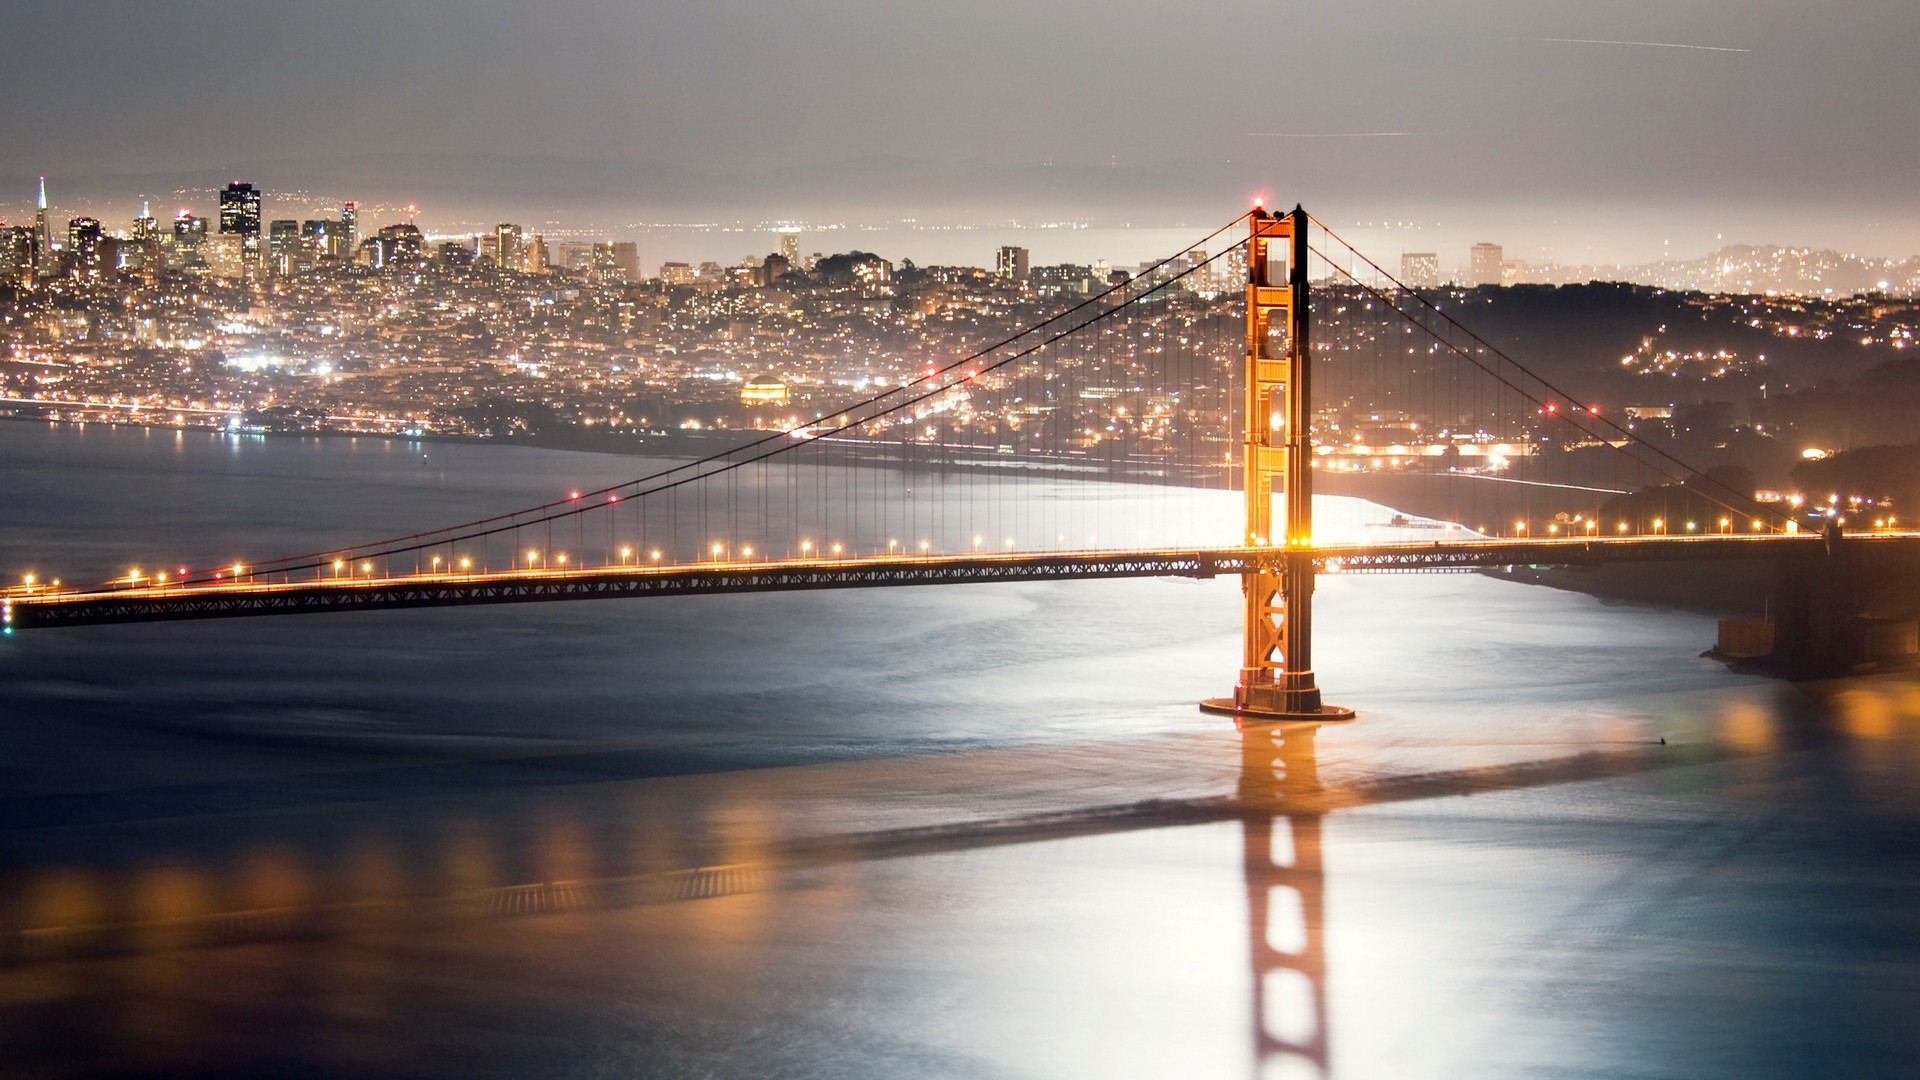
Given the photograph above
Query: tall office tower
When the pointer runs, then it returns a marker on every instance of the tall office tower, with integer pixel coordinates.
(283, 246)
(1012, 263)
(1420, 269)
(16, 252)
(400, 245)
(189, 235)
(85, 239)
(349, 231)
(145, 227)
(226, 256)
(42, 239)
(509, 247)
(535, 260)
(1484, 266)
(240, 215)
(789, 250)
(319, 239)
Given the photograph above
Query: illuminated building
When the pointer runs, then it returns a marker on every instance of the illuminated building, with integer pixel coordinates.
(349, 231)
(323, 239)
(614, 262)
(240, 216)
(42, 239)
(763, 390)
(1012, 263)
(789, 248)
(1483, 266)
(189, 234)
(1420, 269)
(676, 273)
(16, 252)
(399, 245)
(509, 247)
(283, 246)
(225, 255)
(85, 240)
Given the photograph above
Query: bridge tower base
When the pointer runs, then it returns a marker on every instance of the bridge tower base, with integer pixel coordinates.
(1276, 674)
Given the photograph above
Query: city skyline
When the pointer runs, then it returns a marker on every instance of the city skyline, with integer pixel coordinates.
(1580, 135)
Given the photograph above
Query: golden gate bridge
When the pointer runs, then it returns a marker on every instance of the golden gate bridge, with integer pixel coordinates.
(966, 472)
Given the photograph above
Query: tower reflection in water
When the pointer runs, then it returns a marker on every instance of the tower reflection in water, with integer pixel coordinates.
(369, 918)
(1286, 897)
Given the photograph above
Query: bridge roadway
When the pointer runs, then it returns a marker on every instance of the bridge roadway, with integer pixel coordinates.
(36, 607)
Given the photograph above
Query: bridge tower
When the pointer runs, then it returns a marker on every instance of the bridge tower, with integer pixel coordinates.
(1276, 673)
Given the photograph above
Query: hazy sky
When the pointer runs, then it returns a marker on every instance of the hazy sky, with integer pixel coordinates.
(1569, 125)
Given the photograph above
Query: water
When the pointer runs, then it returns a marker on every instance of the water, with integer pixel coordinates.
(966, 831)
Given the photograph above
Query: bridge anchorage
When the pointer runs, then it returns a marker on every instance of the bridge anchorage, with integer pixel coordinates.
(1276, 672)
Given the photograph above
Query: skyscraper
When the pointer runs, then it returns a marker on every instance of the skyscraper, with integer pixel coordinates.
(789, 248)
(614, 262)
(1013, 263)
(349, 230)
(189, 233)
(42, 240)
(509, 250)
(283, 246)
(16, 252)
(145, 228)
(225, 256)
(1484, 266)
(240, 213)
(399, 246)
(85, 240)
(1420, 269)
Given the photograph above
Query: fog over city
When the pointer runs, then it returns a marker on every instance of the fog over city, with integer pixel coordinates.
(1571, 133)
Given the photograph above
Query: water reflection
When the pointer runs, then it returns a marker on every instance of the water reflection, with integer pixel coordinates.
(1286, 900)
(745, 886)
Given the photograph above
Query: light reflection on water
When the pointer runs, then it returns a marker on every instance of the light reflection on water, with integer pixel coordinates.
(960, 832)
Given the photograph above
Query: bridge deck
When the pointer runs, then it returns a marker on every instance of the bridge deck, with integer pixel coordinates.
(39, 607)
